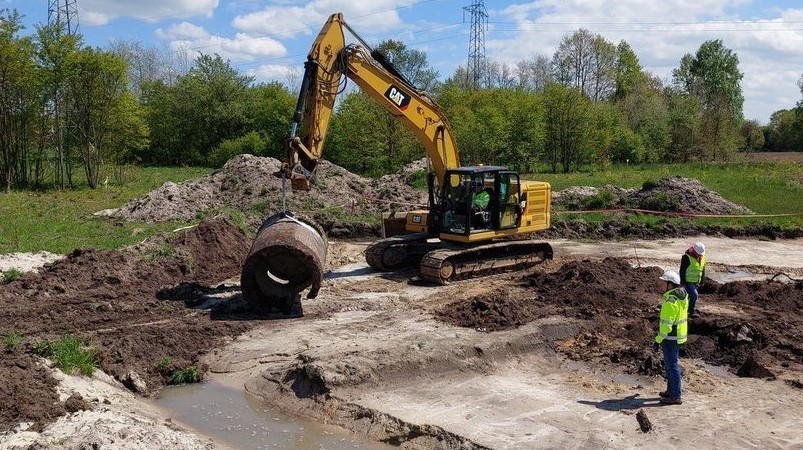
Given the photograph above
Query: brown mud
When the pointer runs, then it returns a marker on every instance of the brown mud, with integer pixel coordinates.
(137, 306)
(169, 303)
(134, 308)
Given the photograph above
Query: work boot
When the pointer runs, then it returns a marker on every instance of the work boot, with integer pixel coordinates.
(664, 394)
(671, 401)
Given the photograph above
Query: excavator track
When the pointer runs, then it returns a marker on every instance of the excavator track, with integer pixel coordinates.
(398, 251)
(451, 264)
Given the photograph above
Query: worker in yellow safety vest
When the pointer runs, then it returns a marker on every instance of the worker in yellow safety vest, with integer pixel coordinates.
(692, 271)
(672, 330)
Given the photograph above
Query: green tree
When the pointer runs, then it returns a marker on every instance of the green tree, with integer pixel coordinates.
(411, 64)
(568, 118)
(629, 73)
(799, 116)
(752, 136)
(54, 47)
(205, 107)
(642, 101)
(684, 127)
(269, 109)
(587, 62)
(354, 140)
(781, 133)
(18, 101)
(712, 76)
(97, 85)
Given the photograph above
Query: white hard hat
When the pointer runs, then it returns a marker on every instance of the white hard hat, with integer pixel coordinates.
(699, 248)
(671, 276)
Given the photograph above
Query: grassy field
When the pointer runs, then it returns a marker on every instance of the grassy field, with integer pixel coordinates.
(766, 188)
(60, 221)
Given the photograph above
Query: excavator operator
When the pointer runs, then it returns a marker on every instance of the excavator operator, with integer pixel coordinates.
(479, 205)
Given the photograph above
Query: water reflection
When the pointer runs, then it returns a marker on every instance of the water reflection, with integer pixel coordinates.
(238, 420)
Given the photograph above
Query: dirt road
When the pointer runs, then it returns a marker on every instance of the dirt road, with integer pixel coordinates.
(553, 357)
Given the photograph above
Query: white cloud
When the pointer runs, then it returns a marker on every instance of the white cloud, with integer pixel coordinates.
(183, 30)
(291, 21)
(101, 12)
(237, 49)
(661, 33)
(289, 75)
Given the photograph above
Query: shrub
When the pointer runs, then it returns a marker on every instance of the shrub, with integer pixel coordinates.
(603, 199)
(649, 185)
(187, 375)
(662, 201)
(252, 143)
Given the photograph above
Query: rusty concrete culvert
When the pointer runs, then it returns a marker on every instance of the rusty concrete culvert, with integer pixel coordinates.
(288, 255)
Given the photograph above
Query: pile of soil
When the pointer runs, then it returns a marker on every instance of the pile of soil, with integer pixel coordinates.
(674, 194)
(621, 305)
(247, 183)
(123, 304)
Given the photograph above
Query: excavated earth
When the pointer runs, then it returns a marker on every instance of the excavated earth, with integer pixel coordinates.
(556, 356)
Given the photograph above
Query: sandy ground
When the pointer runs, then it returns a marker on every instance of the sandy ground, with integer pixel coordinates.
(369, 356)
(124, 421)
(25, 262)
(507, 389)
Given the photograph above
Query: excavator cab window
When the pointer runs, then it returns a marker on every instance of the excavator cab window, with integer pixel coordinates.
(471, 203)
(509, 194)
(457, 204)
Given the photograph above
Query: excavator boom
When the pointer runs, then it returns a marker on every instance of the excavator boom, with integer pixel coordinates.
(472, 210)
(330, 63)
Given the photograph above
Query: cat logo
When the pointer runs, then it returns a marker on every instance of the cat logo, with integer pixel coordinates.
(398, 97)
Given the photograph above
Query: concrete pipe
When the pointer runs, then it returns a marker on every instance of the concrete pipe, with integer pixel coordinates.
(288, 255)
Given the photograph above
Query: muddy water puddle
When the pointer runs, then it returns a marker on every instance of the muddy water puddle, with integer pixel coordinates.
(240, 421)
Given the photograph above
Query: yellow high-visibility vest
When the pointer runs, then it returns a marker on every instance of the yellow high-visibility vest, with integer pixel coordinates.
(673, 323)
(694, 273)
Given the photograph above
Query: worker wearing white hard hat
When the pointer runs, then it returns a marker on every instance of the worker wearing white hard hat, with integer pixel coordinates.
(672, 332)
(692, 272)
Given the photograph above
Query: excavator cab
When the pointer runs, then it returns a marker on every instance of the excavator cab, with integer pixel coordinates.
(479, 199)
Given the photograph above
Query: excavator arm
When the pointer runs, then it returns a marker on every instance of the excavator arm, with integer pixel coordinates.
(454, 238)
(329, 64)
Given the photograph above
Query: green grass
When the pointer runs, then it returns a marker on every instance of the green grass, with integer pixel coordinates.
(187, 375)
(10, 275)
(765, 188)
(70, 353)
(61, 221)
(11, 341)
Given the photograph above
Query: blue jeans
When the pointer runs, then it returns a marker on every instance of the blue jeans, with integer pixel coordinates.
(691, 288)
(671, 350)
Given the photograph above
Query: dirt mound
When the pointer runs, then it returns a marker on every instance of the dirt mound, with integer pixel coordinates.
(621, 304)
(247, 183)
(675, 194)
(112, 299)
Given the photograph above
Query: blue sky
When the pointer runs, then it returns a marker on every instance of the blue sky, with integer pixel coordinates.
(269, 39)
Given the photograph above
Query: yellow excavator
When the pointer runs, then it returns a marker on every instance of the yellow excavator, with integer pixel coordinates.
(469, 207)
(478, 218)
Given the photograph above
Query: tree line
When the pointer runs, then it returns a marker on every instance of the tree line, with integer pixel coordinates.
(68, 109)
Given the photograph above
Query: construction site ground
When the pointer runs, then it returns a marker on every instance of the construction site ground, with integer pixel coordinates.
(558, 356)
